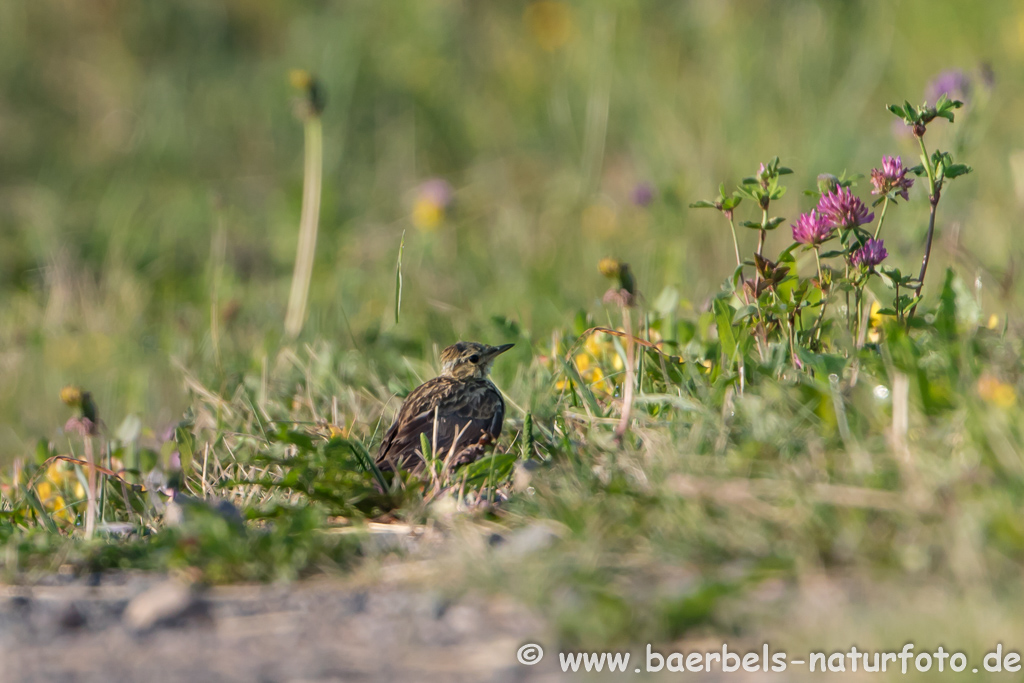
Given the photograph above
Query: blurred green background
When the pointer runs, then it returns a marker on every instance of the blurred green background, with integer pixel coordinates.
(151, 168)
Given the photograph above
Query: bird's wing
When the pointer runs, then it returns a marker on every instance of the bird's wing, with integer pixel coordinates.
(467, 411)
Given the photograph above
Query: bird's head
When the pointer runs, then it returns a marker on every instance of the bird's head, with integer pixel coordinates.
(469, 360)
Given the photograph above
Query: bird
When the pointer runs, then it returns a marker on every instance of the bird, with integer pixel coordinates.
(461, 406)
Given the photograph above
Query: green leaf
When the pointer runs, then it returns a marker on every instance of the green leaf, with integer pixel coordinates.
(886, 279)
(787, 253)
(945, 317)
(756, 225)
(824, 364)
(743, 313)
(723, 319)
(702, 204)
(957, 170)
(185, 442)
(296, 438)
(774, 223)
(731, 203)
(585, 392)
(37, 507)
(897, 110)
(398, 278)
(490, 469)
(911, 111)
(364, 458)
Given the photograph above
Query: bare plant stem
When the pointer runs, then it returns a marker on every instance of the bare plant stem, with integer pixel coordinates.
(735, 240)
(933, 200)
(310, 218)
(824, 298)
(90, 505)
(881, 217)
(627, 392)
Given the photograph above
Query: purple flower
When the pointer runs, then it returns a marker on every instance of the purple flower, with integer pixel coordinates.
(437, 191)
(953, 83)
(812, 229)
(643, 194)
(870, 255)
(892, 176)
(841, 209)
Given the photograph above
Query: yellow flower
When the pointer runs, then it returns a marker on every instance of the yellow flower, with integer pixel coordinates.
(432, 200)
(427, 214)
(598, 381)
(71, 395)
(550, 23)
(44, 490)
(58, 473)
(998, 393)
(300, 78)
(594, 344)
(617, 363)
(609, 267)
(336, 431)
(993, 322)
(583, 362)
(61, 510)
(875, 322)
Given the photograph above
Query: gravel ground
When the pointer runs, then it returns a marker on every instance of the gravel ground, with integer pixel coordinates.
(124, 627)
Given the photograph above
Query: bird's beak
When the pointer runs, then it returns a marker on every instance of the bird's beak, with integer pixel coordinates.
(498, 350)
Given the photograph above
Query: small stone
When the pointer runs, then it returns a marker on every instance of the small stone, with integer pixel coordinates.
(529, 540)
(71, 618)
(167, 604)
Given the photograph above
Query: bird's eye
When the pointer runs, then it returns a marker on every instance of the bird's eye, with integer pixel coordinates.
(474, 358)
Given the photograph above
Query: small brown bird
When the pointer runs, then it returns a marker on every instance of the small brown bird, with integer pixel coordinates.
(466, 406)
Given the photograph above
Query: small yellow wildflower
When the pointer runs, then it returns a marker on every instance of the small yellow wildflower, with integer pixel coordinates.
(595, 344)
(598, 382)
(300, 78)
(993, 322)
(432, 200)
(71, 395)
(61, 511)
(875, 322)
(44, 490)
(550, 23)
(583, 362)
(994, 391)
(335, 431)
(426, 215)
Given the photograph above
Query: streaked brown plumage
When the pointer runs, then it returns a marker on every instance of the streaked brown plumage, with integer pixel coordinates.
(464, 402)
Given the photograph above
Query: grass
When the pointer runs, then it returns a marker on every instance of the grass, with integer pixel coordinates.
(152, 240)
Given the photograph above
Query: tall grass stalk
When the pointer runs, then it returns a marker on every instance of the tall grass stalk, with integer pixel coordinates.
(310, 218)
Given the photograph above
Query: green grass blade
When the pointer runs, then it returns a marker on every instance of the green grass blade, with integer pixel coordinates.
(398, 278)
(37, 507)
